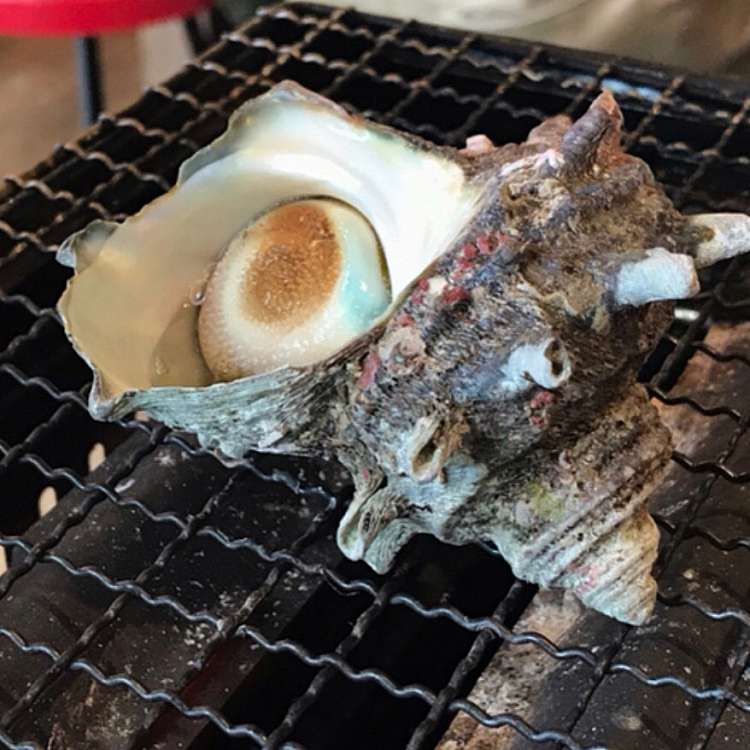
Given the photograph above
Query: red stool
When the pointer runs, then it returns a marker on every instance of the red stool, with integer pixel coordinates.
(85, 19)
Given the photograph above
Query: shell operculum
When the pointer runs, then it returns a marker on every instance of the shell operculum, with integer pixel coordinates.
(291, 289)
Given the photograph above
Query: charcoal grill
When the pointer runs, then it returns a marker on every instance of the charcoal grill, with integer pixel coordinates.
(171, 601)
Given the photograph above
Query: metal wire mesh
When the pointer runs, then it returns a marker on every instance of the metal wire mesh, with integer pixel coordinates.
(169, 600)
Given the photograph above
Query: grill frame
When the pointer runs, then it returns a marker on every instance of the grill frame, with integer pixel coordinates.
(99, 177)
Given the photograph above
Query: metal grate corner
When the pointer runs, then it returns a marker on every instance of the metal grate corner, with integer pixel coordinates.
(170, 600)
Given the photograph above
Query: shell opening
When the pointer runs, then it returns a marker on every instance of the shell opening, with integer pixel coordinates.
(138, 306)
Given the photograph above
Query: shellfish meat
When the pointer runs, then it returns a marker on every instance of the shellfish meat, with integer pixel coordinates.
(461, 329)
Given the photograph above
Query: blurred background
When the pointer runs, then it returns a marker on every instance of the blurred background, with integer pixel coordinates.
(710, 36)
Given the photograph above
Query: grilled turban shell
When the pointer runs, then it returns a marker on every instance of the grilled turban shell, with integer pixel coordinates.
(461, 329)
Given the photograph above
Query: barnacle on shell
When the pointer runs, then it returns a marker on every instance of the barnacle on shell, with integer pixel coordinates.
(461, 329)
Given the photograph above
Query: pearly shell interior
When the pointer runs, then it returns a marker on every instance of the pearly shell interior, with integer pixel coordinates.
(130, 308)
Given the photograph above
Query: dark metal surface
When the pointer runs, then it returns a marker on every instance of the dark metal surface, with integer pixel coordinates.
(171, 601)
(88, 67)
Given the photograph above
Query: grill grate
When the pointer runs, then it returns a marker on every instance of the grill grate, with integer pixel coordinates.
(169, 600)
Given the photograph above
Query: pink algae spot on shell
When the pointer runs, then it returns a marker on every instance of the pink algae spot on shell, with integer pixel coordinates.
(369, 368)
(538, 407)
(489, 242)
(469, 252)
(465, 260)
(404, 319)
(453, 294)
(417, 296)
(484, 244)
(542, 399)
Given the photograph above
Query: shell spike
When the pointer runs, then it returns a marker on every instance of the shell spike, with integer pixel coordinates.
(372, 531)
(599, 126)
(656, 275)
(719, 236)
(550, 132)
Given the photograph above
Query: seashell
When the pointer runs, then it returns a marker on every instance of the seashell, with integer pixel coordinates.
(461, 329)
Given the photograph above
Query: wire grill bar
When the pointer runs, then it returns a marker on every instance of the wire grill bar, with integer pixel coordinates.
(443, 85)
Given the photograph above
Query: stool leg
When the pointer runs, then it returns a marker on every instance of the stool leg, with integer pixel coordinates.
(194, 35)
(204, 29)
(89, 78)
(219, 23)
